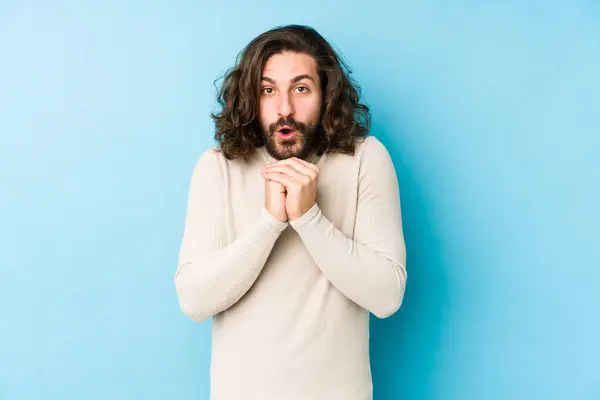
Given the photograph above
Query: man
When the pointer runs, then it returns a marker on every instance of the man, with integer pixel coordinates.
(293, 231)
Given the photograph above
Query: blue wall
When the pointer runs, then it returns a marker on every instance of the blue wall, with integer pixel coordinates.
(490, 111)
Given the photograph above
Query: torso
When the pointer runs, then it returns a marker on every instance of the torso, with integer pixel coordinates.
(293, 335)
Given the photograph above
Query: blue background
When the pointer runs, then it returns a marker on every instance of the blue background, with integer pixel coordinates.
(491, 112)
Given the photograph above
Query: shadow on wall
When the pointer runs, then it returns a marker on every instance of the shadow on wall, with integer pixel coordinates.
(405, 347)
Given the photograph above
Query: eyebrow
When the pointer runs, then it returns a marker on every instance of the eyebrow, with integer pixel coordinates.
(293, 80)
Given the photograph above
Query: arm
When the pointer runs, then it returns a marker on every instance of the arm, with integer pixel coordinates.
(369, 270)
(212, 273)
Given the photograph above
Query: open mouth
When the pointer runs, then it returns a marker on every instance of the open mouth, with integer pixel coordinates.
(286, 133)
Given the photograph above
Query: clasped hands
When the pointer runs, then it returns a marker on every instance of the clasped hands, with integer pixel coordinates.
(290, 188)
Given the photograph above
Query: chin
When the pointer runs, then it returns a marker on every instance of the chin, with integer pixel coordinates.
(284, 154)
(284, 151)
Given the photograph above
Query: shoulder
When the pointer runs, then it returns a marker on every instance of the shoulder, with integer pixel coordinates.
(371, 151)
(212, 161)
(375, 165)
(209, 164)
(368, 152)
(208, 158)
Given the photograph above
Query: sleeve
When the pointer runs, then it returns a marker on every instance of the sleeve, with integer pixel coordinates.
(370, 269)
(212, 272)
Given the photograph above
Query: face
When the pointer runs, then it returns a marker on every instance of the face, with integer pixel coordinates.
(290, 104)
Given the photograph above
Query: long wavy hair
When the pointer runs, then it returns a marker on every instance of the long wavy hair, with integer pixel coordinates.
(343, 119)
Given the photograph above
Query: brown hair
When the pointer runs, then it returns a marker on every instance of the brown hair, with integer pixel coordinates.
(343, 118)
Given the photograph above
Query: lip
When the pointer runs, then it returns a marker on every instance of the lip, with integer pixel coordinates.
(289, 135)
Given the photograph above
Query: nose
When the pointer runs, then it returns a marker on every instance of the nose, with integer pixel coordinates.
(286, 106)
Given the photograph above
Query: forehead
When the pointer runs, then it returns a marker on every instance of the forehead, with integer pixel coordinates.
(285, 66)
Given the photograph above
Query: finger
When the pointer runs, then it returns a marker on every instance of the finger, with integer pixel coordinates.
(292, 173)
(296, 165)
(286, 181)
(300, 165)
(306, 164)
(285, 169)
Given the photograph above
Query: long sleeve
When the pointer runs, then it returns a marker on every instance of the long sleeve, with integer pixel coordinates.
(370, 270)
(214, 272)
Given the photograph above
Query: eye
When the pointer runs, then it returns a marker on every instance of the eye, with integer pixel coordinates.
(302, 89)
(267, 90)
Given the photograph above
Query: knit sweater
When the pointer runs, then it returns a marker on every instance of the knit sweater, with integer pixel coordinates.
(290, 301)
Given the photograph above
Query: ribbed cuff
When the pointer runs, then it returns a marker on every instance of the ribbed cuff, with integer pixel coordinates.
(273, 222)
(308, 216)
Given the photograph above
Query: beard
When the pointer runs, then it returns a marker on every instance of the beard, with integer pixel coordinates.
(300, 145)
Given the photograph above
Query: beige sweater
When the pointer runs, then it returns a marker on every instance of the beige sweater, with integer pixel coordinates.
(290, 302)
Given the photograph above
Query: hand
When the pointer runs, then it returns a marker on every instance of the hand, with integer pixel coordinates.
(275, 200)
(300, 179)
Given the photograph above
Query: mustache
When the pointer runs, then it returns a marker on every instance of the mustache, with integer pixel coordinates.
(290, 121)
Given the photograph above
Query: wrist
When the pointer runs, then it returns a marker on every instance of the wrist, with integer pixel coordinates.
(300, 220)
(276, 222)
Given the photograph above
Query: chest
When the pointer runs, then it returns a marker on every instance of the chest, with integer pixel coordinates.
(336, 194)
